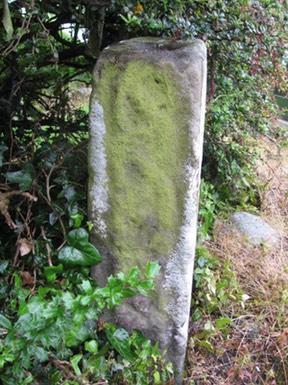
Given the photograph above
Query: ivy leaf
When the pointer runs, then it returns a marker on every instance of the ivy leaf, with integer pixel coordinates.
(74, 362)
(52, 271)
(76, 336)
(91, 346)
(68, 192)
(27, 380)
(119, 339)
(207, 345)
(40, 353)
(222, 322)
(23, 177)
(86, 287)
(77, 219)
(128, 293)
(142, 287)
(133, 274)
(5, 322)
(157, 378)
(80, 251)
(3, 266)
(152, 270)
(197, 315)
(68, 300)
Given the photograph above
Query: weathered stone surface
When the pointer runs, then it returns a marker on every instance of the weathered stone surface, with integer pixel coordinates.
(255, 229)
(146, 133)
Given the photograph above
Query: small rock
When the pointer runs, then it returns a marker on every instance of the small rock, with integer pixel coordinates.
(255, 229)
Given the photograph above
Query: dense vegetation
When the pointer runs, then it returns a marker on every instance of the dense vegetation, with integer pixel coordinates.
(48, 49)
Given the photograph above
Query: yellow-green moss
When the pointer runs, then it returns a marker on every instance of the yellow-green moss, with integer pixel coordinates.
(147, 146)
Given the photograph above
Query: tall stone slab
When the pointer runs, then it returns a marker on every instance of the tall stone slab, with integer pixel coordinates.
(146, 133)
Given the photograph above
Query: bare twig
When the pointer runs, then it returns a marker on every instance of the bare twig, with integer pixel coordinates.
(47, 247)
(24, 27)
(67, 369)
(5, 201)
(283, 361)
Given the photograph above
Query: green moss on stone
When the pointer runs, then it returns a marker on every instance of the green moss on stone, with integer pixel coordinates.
(147, 146)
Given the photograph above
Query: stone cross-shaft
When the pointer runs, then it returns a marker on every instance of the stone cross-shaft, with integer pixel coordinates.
(146, 133)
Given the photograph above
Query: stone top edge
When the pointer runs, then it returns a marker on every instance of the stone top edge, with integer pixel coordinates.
(155, 43)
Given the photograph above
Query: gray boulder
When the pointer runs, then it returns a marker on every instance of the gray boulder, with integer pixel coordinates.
(255, 229)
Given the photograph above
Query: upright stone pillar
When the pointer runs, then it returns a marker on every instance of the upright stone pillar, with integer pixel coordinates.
(146, 133)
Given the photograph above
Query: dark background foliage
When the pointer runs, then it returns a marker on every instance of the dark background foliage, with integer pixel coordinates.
(246, 41)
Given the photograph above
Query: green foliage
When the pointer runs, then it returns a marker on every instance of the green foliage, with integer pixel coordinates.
(80, 251)
(216, 292)
(215, 284)
(62, 330)
(214, 200)
(51, 326)
(209, 205)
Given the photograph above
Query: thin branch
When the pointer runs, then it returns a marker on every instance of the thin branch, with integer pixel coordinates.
(67, 369)
(25, 26)
(47, 247)
(5, 201)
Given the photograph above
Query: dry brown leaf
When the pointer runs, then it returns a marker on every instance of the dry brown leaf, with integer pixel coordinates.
(244, 374)
(26, 278)
(232, 372)
(25, 246)
(283, 339)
